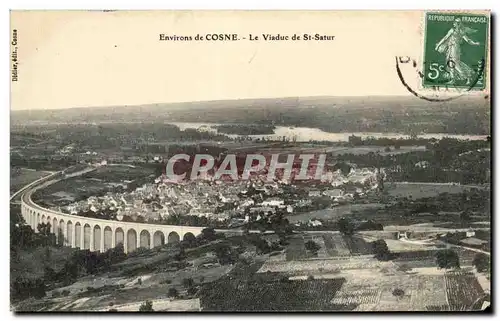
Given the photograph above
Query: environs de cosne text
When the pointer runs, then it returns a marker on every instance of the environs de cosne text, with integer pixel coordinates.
(250, 37)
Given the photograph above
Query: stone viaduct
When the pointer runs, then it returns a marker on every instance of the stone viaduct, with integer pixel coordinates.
(98, 234)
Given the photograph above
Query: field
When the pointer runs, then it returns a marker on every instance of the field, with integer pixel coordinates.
(426, 258)
(19, 177)
(99, 181)
(157, 269)
(373, 149)
(397, 246)
(331, 245)
(419, 190)
(462, 290)
(420, 293)
(117, 174)
(321, 266)
(31, 263)
(335, 245)
(308, 295)
(336, 150)
(333, 213)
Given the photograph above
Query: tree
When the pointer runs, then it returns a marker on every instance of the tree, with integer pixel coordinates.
(223, 253)
(381, 250)
(192, 290)
(44, 229)
(346, 227)
(208, 234)
(481, 262)
(262, 246)
(398, 292)
(312, 247)
(173, 293)
(25, 288)
(188, 282)
(146, 307)
(447, 259)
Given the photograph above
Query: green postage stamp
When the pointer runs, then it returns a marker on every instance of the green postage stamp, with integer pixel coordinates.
(455, 50)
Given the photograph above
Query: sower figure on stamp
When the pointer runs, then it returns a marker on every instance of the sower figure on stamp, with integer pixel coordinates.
(450, 46)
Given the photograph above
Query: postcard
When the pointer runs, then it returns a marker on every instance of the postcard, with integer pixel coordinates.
(250, 161)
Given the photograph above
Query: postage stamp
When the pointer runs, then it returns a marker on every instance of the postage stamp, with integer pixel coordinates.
(455, 50)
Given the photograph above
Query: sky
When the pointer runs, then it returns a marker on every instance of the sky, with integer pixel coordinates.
(84, 59)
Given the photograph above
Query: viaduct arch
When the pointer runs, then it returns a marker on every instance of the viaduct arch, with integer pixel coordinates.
(98, 234)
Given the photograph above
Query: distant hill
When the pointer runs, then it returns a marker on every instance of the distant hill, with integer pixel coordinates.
(469, 115)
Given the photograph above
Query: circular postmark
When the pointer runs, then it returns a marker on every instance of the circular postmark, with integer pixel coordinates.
(441, 89)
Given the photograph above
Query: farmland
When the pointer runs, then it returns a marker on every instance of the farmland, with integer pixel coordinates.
(331, 245)
(420, 190)
(367, 285)
(462, 290)
(20, 177)
(284, 295)
(334, 212)
(99, 181)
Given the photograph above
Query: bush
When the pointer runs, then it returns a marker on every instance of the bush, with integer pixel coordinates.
(192, 290)
(398, 292)
(167, 281)
(173, 293)
(208, 234)
(345, 226)
(310, 277)
(312, 247)
(146, 307)
(24, 288)
(188, 283)
(224, 254)
(381, 250)
(447, 259)
(404, 268)
(370, 226)
(112, 310)
(481, 262)
(65, 292)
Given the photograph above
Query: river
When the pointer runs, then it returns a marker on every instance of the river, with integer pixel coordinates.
(305, 134)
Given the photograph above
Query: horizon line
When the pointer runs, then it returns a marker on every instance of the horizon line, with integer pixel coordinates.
(222, 100)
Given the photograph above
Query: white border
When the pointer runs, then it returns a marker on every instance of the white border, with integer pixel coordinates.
(201, 4)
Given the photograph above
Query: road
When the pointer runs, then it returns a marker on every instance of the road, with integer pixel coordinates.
(436, 242)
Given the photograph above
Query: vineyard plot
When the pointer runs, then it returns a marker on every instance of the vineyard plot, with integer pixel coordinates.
(462, 290)
(335, 245)
(357, 246)
(360, 296)
(428, 291)
(306, 295)
(295, 249)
